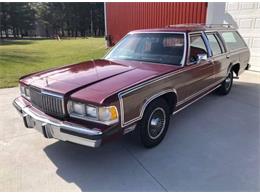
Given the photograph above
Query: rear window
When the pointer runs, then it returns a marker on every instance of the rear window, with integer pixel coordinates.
(233, 40)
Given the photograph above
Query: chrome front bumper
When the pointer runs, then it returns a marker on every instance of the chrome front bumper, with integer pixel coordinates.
(53, 128)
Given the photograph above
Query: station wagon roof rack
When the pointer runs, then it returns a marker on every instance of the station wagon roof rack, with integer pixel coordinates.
(219, 25)
(201, 25)
(185, 25)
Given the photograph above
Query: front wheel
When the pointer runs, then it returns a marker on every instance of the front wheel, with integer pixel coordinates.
(226, 85)
(155, 122)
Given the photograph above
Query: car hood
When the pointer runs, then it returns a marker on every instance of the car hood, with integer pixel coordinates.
(71, 77)
(94, 81)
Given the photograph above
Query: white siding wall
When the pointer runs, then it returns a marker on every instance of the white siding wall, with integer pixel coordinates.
(246, 17)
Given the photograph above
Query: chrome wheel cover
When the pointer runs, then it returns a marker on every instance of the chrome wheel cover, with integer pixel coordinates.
(156, 123)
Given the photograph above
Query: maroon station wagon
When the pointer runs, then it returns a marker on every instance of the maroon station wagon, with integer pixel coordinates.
(148, 76)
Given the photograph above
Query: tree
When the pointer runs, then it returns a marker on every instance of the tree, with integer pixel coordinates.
(16, 17)
(57, 19)
(4, 18)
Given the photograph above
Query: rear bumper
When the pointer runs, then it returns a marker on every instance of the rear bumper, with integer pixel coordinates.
(53, 128)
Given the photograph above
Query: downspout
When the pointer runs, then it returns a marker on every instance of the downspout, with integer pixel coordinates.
(216, 13)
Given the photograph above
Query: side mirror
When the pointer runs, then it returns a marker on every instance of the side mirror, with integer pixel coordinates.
(201, 57)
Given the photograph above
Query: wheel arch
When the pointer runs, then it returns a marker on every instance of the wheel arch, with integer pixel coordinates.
(169, 95)
(235, 67)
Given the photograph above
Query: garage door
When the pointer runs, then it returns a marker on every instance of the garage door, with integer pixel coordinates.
(247, 17)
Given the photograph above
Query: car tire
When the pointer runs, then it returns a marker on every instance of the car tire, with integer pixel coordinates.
(226, 85)
(154, 125)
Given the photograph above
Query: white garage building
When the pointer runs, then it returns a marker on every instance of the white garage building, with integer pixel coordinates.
(246, 17)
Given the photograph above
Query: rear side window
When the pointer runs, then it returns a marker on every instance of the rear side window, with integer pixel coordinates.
(197, 46)
(214, 44)
(233, 40)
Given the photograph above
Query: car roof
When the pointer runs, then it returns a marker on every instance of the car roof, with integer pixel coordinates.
(187, 28)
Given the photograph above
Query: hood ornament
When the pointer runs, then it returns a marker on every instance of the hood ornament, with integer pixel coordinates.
(46, 81)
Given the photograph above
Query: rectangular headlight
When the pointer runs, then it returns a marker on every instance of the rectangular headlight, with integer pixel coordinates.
(22, 89)
(92, 111)
(25, 91)
(79, 108)
(106, 115)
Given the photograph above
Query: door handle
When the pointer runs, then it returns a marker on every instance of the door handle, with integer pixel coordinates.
(228, 56)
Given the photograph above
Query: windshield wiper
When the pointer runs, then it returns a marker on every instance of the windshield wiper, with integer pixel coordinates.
(152, 60)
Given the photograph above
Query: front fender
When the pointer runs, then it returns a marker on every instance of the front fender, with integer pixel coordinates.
(134, 102)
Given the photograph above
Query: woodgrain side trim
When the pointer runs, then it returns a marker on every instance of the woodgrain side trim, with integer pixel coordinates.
(123, 123)
(175, 112)
(199, 92)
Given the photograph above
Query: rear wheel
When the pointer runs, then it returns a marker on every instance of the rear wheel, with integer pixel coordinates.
(226, 85)
(155, 122)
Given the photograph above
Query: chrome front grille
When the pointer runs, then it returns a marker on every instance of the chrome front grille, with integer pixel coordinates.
(52, 104)
(49, 103)
(36, 97)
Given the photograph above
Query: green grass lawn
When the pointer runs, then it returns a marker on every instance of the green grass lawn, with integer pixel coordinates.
(21, 57)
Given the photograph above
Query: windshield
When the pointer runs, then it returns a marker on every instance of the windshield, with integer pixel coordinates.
(165, 48)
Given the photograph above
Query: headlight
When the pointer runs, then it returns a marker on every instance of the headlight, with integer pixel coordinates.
(92, 111)
(107, 115)
(78, 108)
(25, 91)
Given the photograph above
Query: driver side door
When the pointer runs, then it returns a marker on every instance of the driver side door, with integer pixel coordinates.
(199, 72)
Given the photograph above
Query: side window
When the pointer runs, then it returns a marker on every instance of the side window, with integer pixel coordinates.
(214, 44)
(233, 40)
(197, 46)
(220, 41)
